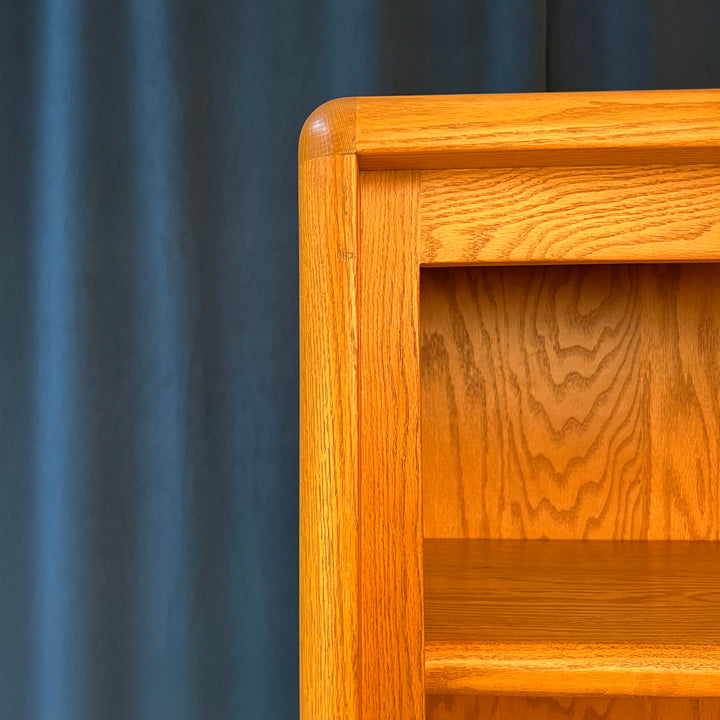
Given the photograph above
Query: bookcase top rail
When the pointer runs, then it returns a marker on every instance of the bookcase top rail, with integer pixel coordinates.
(529, 129)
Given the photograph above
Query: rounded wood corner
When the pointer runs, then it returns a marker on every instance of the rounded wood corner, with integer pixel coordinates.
(329, 130)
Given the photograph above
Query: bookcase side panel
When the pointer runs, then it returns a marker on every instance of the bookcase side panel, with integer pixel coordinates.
(329, 503)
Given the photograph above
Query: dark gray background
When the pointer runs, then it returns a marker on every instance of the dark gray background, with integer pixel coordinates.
(148, 311)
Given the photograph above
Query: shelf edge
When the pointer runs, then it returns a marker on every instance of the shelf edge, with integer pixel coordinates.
(572, 669)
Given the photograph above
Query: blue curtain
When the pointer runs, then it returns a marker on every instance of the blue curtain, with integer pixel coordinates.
(148, 311)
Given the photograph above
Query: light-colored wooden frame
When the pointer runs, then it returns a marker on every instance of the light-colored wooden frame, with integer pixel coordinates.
(360, 238)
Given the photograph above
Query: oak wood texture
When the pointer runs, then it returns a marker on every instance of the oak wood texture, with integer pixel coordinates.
(493, 180)
(572, 617)
(531, 129)
(581, 214)
(487, 707)
(391, 520)
(329, 130)
(571, 402)
(329, 492)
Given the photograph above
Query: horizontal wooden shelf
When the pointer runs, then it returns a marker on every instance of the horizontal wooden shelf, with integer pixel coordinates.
(568, 617)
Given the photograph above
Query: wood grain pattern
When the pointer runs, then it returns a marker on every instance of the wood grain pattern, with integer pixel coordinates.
(538, 129)
(465, 707)
(576, 405)
(529, 129)
(572, 617)
(571, 402)
(329, 503)
(329, 130)
(558, 591)
(391, 521)
(579, 214)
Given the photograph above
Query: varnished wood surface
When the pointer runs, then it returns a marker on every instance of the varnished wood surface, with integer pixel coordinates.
(538, 129)
(330, 130)
(453, 131)
(578, 214)
(329, 502)
(391, 520)
(464, 707)
(571, 402)
(361, 522)
(572, 617)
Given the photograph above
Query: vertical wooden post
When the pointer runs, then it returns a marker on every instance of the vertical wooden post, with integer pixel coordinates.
(391, 517)
(329, 545)
(361, 619)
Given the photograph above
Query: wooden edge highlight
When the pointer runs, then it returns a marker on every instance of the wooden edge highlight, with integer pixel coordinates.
(572, 669)
(329, 677)
(329, 130)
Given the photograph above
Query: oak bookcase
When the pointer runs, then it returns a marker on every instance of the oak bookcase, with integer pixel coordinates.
(510, 407)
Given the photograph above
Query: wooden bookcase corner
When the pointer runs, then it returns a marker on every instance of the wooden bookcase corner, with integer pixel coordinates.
(510, 407)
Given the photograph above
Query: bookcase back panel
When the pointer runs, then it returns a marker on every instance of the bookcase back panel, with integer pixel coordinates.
(571, 401)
